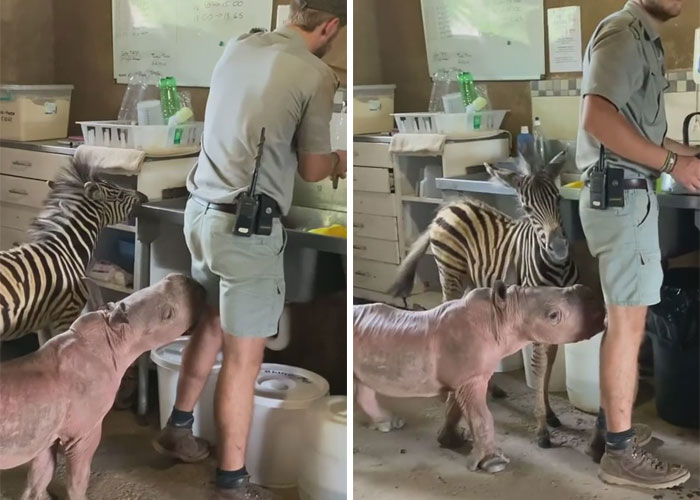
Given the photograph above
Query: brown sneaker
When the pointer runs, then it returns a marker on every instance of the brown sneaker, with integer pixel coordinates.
(635, 467)
(596, 448)
(180, 443)
(244, 491)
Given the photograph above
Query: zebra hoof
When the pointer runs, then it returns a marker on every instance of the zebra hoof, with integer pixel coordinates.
(553, 420)
(544, 442)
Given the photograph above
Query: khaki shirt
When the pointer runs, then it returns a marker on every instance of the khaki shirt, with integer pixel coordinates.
(624, 63)
(266, 80)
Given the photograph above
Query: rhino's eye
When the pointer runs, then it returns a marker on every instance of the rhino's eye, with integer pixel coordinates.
(167, 313)
(554, 316)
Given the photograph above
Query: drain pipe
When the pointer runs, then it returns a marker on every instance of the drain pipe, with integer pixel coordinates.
(280, 341)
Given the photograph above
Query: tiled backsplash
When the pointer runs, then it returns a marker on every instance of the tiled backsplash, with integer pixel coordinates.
(678, 81)
(557, 102)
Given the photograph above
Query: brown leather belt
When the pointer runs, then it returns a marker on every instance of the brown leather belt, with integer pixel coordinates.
(634, 183)
(229, 208)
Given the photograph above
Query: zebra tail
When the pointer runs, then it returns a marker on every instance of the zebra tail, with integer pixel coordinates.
(403, 285)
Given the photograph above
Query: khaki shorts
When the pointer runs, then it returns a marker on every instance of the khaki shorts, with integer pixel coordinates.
(244, 277)
(625, 241)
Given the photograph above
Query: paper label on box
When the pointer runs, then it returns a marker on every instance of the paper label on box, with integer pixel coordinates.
(50, 108)
(374, 104)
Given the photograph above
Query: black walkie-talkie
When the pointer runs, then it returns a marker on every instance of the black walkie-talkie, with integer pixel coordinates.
(248, 203)
(598, 183)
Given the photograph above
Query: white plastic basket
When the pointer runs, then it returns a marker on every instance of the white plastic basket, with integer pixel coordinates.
(153, 139)
(416, 123)
(457, 123)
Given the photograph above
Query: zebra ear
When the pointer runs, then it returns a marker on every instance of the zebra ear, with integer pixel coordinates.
(555, 166)
(93, 191)
(506, 177)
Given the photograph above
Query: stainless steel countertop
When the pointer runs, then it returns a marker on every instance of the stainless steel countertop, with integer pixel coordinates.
(172, 212)
(53, 146)
(386, 138)
(680, 201)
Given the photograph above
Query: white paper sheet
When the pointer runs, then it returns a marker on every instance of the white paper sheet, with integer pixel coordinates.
(564, 29)
(282, 15)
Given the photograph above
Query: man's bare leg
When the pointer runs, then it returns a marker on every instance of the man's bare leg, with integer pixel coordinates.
(619, 353)
(198, 359)
(176, 439)
(624, 463)
(233, 403)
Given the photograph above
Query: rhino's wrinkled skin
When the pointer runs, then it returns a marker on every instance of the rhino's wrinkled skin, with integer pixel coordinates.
(455, 348)
(57, 397)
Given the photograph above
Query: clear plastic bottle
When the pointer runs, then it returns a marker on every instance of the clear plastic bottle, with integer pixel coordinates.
(540, 143)
(526, 144)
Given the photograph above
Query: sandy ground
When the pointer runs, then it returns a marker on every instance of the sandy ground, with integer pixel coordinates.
(409, 465)
(127, 468)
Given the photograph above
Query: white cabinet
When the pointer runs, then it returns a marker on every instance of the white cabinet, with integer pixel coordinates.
(389, 212)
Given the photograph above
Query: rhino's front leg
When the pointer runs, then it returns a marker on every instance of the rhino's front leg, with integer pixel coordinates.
(471, 398)
(79, 457)
(382, 419)
(40, 474)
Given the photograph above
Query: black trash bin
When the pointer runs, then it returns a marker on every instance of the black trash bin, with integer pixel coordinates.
(674, 328)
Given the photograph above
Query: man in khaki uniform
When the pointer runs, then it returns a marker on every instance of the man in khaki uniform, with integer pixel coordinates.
(278, 82)
(623, 110)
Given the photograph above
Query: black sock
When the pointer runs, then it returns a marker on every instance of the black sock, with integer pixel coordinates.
(229, 479)
(619, 440)
(600, 422)
(181, 419)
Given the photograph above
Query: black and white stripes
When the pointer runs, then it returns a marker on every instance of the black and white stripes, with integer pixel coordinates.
(41, 282)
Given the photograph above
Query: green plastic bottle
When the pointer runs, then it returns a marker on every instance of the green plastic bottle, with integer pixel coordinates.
(169, 98)
(467, 88)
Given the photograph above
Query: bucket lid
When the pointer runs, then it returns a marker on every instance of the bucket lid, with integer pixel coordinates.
(277, 386)
(331, 409)
(34, 88)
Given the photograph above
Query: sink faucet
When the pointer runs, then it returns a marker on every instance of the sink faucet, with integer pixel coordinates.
(686, 127)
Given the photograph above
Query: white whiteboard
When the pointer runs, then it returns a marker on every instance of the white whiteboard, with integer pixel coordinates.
(492, 39)
(180, 38)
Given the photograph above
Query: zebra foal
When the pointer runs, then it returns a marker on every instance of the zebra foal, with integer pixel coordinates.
(42, 285)
(474, 245)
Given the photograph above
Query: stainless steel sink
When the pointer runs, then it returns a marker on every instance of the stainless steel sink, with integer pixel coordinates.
(314, 264)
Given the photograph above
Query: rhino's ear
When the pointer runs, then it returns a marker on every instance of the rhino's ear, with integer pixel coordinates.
(118, 316)
(498, 295)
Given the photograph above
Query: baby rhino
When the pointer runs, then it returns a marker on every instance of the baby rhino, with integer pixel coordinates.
(57, 397)
(455, 348)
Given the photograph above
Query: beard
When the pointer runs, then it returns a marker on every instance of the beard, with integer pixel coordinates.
(322, 50)
(663, 10)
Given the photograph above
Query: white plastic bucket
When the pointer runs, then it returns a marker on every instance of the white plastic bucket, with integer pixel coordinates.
(582, 374)
(323, 471)
(557, 382)
(282, 396)
(510, 363)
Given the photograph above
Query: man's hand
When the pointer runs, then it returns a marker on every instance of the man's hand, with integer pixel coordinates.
(341, 168)
(687, 172)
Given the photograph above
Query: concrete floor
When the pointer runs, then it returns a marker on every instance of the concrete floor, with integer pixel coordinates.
(408, 464)
(125, 467)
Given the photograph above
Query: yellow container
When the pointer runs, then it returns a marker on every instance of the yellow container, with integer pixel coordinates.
(34, 112)
(373, 106)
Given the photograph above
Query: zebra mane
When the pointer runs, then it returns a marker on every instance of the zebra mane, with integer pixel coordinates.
(68, 190)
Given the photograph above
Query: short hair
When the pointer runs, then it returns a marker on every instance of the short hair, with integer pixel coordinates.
(306, 18)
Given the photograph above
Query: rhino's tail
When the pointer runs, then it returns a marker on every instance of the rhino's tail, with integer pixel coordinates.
(403, 285)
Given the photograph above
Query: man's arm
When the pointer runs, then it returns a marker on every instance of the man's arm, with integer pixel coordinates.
(316, 167)
(602, 120)
(681, 149)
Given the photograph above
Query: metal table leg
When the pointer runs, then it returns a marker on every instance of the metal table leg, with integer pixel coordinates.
(145, 235)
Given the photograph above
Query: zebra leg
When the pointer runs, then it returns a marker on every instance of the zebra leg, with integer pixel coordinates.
(79, 458)
(41, 471)
(539, 367)
(452, 284)
(450, 435)
(552, 419)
